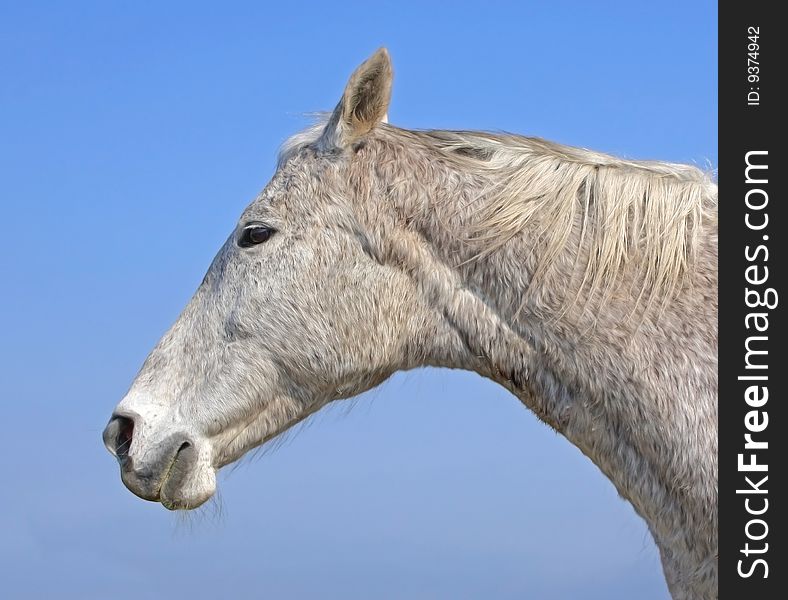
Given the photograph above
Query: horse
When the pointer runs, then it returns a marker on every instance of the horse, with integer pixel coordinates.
(583, 283)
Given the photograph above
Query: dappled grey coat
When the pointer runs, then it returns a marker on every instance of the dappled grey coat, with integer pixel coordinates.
(583, 283)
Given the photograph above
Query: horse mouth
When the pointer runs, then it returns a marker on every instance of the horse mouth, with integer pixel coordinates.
(189, 482)
(165, 481)
(180, 479)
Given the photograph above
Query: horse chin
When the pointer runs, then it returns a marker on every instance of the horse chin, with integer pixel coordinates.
(190, 482)
(186, 502)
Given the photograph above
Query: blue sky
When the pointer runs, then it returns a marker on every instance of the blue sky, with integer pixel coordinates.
(131, 137)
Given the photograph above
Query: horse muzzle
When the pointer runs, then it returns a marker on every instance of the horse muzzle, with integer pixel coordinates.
(173, 469)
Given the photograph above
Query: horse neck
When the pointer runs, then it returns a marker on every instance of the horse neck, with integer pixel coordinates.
(636, 395)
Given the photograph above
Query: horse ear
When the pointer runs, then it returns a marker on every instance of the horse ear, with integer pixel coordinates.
(364, 103)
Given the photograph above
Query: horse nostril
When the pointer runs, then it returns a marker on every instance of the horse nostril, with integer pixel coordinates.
(125, 434)
(118, 436)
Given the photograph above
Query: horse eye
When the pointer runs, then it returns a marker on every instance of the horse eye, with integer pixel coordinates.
(255, 234)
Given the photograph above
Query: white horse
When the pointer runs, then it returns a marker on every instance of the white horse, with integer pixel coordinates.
(585, 284)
